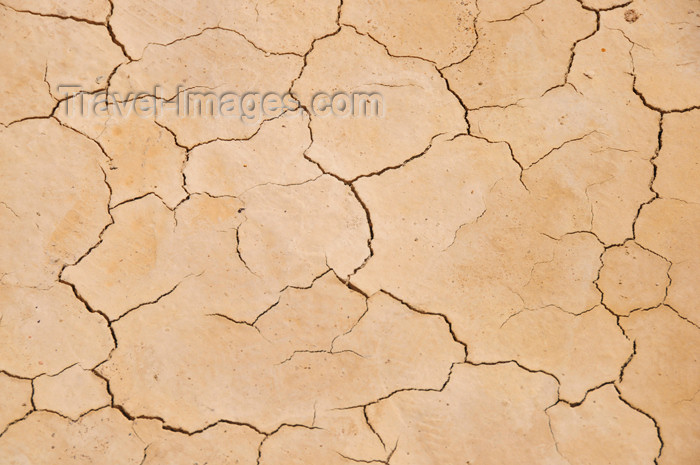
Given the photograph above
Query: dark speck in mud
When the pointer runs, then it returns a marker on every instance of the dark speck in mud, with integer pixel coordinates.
(631, 16)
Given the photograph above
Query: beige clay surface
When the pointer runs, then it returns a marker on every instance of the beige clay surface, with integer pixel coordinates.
(501, 267)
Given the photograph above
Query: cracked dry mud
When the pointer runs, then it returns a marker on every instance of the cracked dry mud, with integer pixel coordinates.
(502, 269)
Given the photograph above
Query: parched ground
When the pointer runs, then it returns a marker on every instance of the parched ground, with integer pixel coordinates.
(502, 269)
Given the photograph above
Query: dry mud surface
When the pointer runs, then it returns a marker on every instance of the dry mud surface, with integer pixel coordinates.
(502, 269)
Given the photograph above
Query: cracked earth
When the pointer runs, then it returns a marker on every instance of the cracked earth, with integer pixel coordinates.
(503, 269)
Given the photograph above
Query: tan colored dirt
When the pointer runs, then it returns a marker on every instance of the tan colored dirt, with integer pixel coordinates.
(501, 266)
